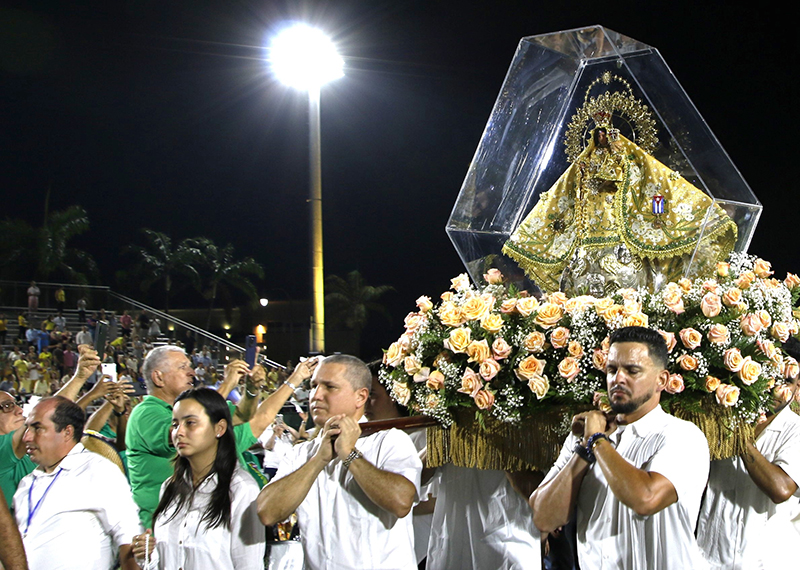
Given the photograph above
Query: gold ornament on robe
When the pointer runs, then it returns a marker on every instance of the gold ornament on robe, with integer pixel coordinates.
(598, 228)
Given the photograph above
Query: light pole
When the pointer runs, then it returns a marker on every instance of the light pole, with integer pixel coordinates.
(304, 58)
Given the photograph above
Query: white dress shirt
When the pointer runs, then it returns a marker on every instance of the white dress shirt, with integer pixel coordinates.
(85, 513)
(739, 526)
(341, 528)
(186, 543)
(611, 535)
(480, 522)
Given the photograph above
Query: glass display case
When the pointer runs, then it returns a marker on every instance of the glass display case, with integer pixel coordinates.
(537, 204)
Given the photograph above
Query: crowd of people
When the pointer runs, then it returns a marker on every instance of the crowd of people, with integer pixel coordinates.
(171, 480)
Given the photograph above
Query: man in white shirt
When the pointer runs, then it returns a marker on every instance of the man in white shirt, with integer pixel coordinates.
(634, 480)
(352, 496)
(745, 521)
(75, 510)
(84, 337)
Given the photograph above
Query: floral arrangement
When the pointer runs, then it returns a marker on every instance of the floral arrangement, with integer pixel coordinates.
(507, 355)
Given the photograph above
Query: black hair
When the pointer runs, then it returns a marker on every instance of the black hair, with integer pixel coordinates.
(67, 413)
(180, 489)
(656, 345)
(792, 347)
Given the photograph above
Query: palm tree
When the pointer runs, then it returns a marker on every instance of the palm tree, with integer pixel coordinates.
(27, 251)
(351, 300)
(221, 272)
(160, 261)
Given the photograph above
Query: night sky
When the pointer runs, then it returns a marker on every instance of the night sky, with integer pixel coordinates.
(164, 115)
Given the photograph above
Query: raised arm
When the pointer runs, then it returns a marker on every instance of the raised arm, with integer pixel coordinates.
(390, 491)
(269, 408)
(234, 371)
(88, 362)
(646, 493)
(280, 498)
(770, 478)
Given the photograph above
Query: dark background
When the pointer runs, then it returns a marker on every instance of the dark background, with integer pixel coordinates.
(164, 115)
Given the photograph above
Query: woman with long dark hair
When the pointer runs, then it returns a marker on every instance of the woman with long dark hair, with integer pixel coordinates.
(207, 515)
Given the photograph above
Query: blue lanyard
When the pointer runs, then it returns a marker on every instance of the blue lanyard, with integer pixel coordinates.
(32, 512)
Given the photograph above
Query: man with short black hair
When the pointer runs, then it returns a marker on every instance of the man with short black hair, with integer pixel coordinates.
(75, 510)
(352, 495)
(635, 479)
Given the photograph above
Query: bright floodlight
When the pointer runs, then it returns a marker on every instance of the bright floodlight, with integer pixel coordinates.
(304, 58)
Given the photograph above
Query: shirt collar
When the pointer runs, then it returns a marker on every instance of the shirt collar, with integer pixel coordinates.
(70, 461)
(157, 400)
(780, 421)
(648, 423)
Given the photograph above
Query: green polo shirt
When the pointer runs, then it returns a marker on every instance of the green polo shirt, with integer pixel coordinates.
(149, 453)
(12, 468)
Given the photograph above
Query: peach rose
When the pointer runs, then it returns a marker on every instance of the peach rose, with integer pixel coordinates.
(475, 308)
(790, 368)
(675, 384)
(636, 320)
(719, 334)
(600, 359)
(548, 316)
(508, 306)
(765, 318)
(762, 269)
(575, 349)
(745, 280)
(673, 298)
(405, 342)
(412, 321)
(712, 383)
(794, 326)
(489, 369)
(687, 362)
(568, 368)
(425, 304)
(478, 351)
(685, 284)
(732, 297)
(768, 349)
(631, 307)
(501, 349)
(723, 269)
(559, 337)
(690, 338)
(422, 375)
(792, 281)
(446, 296)
(711, 305)
(732, 359)
(749, 371)
(401, 392)
(450, 314)
(783, 393)
(578, 303)
(750, 324)
(727, 395)
(492, 323)
(612, 313)
(484, 399)
(534, 342)
(394, 355)
(710, 285)
(605, 344)
(435, 380)
(460, 283)
(539, 385)
(412, 365)
(627, 294)
(529, 367)
(603, 305)
(669, 338)
(526, 305)
(459, 340)
(493, 276)
(558, 298)
(471, 383)
(780, 331)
